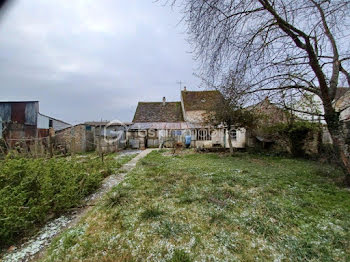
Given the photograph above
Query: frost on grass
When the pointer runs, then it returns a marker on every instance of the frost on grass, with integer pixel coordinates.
(43, 238)
(217, 209)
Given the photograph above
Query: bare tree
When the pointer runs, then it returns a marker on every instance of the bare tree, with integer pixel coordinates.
(282, 48)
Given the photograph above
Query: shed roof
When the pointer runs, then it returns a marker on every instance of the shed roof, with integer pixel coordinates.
(54, 118)
(2, 102)
(158, 112)
(106, 123)
(201, 100)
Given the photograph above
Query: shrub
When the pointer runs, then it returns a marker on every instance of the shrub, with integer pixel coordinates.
(33, 189)
(295, 133)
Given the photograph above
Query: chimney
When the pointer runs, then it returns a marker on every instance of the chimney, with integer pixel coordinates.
(164, 100)
(185, 88)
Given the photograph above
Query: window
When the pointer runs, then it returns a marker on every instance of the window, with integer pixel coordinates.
(50, 123)
(176, 133)
(233, 134)
(203, 135)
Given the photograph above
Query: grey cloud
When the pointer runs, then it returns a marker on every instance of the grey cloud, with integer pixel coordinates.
(86, 60)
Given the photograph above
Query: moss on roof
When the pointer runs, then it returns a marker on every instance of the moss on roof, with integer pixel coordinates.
(157, 112)
(201, 100)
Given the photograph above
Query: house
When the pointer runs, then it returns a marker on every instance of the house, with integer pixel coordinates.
(312, 105)
(157, 123)
(269, 115)
(21, 121)
(268, 135)
(77, 139)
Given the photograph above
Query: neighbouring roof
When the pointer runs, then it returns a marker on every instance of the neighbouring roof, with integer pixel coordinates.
(265, 104)
(201, 100)
(157, 112)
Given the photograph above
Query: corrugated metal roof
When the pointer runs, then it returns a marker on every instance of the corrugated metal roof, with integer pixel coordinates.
(34, 101)
(107, 123)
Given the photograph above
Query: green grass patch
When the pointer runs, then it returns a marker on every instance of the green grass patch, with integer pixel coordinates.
(151, 213)
(212, 207)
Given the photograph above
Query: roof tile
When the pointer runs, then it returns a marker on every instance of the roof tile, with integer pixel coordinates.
(157, 112)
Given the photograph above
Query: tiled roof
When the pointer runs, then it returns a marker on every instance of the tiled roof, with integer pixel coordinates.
(157, 112)
(201, 100)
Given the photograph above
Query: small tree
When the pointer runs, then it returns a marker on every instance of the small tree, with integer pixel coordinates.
(230, 113)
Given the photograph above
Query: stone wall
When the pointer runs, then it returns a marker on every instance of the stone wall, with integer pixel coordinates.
(76, 139)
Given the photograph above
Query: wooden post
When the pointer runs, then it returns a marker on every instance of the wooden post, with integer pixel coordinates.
(50, 145)
(99, 140)
(36, 148)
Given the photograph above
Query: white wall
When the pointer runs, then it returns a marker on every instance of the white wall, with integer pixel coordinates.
(343, 105)
(43, 122)
(311, 104)
(195, 116)
(240, 142)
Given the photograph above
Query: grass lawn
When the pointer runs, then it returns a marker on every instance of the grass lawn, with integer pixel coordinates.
(209, 207)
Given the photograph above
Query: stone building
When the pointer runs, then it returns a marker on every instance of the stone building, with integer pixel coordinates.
(77, 139)
(107, 136)
(265, 136)
(157, 123)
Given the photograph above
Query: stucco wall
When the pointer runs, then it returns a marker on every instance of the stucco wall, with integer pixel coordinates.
(343, 104)
(197, 116)
(240, 141)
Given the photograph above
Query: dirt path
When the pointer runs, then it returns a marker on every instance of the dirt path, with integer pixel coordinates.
(33, 248)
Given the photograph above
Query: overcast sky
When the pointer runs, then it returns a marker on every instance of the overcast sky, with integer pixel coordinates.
(88, 59)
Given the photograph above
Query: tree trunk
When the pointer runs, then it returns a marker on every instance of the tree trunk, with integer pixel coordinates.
(338, 133)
